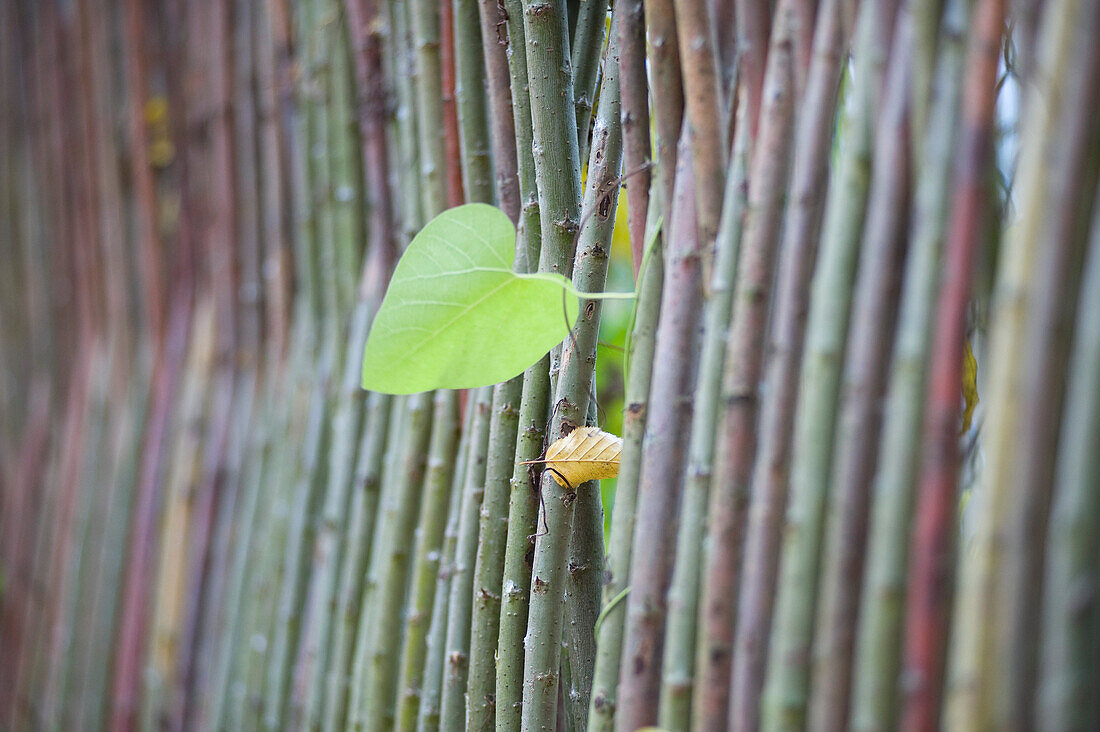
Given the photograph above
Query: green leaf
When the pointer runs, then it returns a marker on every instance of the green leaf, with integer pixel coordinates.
(456, 316)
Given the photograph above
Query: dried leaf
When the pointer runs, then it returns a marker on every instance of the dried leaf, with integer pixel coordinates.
(586, 453)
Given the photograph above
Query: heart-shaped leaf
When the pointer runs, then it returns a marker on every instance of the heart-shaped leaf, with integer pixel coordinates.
(456, 316)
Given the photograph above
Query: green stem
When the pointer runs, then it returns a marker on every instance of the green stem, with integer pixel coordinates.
(873, 320)
(665, 443)
(878, 639)
(489, 563)
(473, 107)
(557, 173)
(460, 601)
(678, 665)
(797, 254)
(307, 493)
(377, 643)
(360, 526)
(635, 104)
(787, 682)
(429, 97)
(706, 126)
(427, 716)
(666, 85)
(407, 120)
(345, 197)
(426, 560)
(586, 547)
(1075, 161)
(609, 630)
(1069, 661)
(586, 50)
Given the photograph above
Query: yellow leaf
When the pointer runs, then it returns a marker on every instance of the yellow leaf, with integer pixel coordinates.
(586, 453)
(969, 386)
(156, 110)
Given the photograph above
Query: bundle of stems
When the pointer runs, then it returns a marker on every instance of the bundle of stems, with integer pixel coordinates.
(858, 483)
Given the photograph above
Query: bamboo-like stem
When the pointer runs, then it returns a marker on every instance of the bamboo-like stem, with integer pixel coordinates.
(452, 142)
(926, 31)
(533, 407)
(797, 254)
(429, 99)
(678, 664)
(549, 583)
(609, 640)
(635, 114)
(272, 596)
(373, 94)
(1065, 698)
(1048, 333)
(975, 609)
(27, 462)
(489, 561)
(316, 245)
(117, 356)
(377, 644)
(787, 682)
(452, 704)
(303, 504)
(529, 223)
(426, 559)
(79, 150)
(804, 42)
(152, 275)
(236, 509)
(473, 107)
(874, 309)
(744, 358)
(367, 41)
(252, 516)
(667, 425)
(706, 127)
(138, 573)
(523, 507)
(582, 599)
(927, 598)
(502, 126)
(753, 30)
(586, 551)
(126, 454)
(432, 689)
(183, 472)
(131, 636)
(87, 529)
(874, 693)
(275, 546)
(360, 525)
(345, 187)
(503, 428)
(271, 75)
(269, 546)
(723, 20)
(400, 62)
(221, 592)
(315, 99)
(586, 49)
(350, 400)
(465, 69)
(668, 92)
(557, 173)
(557, 170)
(1026, 16)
